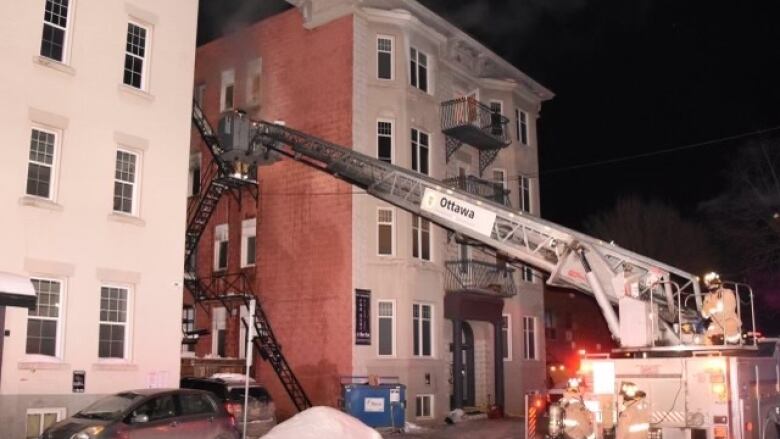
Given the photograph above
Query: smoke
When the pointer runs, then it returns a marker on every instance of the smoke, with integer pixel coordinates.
(221, 17)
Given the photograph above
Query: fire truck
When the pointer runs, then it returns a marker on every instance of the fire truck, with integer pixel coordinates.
(681, 381)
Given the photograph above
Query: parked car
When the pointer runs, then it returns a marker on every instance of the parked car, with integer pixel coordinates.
(149, 414)
(229, 389)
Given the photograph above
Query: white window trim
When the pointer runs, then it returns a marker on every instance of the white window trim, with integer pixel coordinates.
(392, 231)
(504, 182)
(228, 78)
(428, 69)
(519, 125)
(392, 138)
(135, 209)
(392, 56)
(214, 329)
(526, 352)
(499, 102)
(59, 347)
(185, 349)
(66, 41)
(393, 326)
(508, 337)
(433, 332)
(420, 239)
(146, 59)
(216, 246)
(431, 398)
(128, 351)
(527, 269)
(60, 412)
(248, 230)
(55, 163)
(527, 184)
(417, 148)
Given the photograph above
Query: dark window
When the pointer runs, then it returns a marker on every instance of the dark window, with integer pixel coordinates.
(124, 181)
(41, 164)
(420, 148)
(113, 320)
(505, 336)
(496, 110)
(384, 58)
(223, 255)
(550, 327)
(55, 26)
(251, 247)
(188, 325)
(524, 184)
(421, 238)
(162, 407)
(521, 120)
(385, 313)
(385, 232)
(195, 404)
(135, 54)
(418, 65)
(229, 90)
(384, 131)
(256, 393)
(42, 322)
(422, 330)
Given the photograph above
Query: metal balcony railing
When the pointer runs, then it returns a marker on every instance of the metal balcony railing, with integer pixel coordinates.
(479, 277)
(473, 122)
(483, 188)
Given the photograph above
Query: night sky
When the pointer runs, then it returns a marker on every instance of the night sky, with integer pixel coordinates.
(630, 77)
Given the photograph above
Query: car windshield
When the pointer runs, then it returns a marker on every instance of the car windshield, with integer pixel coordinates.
(258, 394)
(110, 407)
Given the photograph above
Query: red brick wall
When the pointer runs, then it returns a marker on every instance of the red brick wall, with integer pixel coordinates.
(304, 233)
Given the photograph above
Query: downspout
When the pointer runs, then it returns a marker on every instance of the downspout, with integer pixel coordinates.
(606, 307)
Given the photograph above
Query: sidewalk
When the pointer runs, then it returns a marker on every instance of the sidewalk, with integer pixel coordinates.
(506, 428)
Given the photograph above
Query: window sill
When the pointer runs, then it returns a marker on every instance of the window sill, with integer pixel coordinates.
(54, 64)
(114, 365)
(132, 91)
(127, 219)
(42, 203)
(43, 364)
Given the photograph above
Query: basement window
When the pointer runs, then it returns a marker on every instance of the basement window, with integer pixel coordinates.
(424, 406)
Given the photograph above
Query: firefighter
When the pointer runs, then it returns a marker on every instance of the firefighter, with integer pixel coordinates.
(577, 421)
(720, 306)
(634, 419)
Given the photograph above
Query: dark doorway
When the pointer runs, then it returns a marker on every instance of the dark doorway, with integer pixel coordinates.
(467, 355)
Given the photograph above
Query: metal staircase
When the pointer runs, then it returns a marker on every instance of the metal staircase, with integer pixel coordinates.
(231, 290)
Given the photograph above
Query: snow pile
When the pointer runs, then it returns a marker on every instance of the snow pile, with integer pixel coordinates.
(322, 423)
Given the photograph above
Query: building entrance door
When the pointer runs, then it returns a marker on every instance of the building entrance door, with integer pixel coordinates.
(467, 358)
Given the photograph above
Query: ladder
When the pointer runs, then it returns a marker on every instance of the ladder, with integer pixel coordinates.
(233, 289)
(572, 259)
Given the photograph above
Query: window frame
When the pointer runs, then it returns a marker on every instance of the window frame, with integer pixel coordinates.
(391, 53)
(66, 39)
(146, 58)
(59, 338)
(504, 182)
(419, 321)
(248, 230)
(418, 233)
(416, 136)
(392, 231)
(391, 136)
(529, 332)
(527, 274)
(254, 69)
(188, 325)
(521, 127)
(393, 328)
(506, 332)
(128, 324)
(524, 193)
(54, 167)
(227, 79)
(415, 67)
(60, 413)
(134, 203)
(192, 182)
(418, 407)
(215, 330)
(217, 247)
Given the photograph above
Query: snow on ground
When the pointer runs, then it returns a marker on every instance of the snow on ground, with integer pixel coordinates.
(322, 423)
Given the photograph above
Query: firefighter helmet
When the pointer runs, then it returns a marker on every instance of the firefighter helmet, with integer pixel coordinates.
(712, 280)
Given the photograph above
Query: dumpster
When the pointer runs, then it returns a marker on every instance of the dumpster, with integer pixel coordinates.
(379, 405)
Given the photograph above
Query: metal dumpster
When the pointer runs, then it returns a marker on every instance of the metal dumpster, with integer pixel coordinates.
(379, 405)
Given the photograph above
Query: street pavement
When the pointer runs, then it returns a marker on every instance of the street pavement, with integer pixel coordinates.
(506, 428)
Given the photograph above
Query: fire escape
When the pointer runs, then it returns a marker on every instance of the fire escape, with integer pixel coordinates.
(230, 290)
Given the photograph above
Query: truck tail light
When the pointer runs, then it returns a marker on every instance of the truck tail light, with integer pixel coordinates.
(720, 433)
(748, 426)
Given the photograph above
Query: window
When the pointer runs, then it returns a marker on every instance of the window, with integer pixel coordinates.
(384, 141)
(135, 56)
(421, 238)
(384, 57)
(529, 337)
(55, 29)
(221, 247)
(112, 340)
(524, 184)
(521, 121)
(196, 404)
(418, 64)
(200, 94)
(424, 406)
(40, 169)
(550, 329)
(384, 224)
(218, 331)
(124, 181)
(506, 335)
(386, 325)
(39, 420)
(254, 81)
(193, 180)
(422, 316)
(527, 273)
(496, 122)
(248, 242)
(188, 326)
(43, 324)
(228, 88)
(420, 146)
(500, 187)
(162, 407)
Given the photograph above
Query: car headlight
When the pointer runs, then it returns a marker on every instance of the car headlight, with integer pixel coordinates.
(88, 433)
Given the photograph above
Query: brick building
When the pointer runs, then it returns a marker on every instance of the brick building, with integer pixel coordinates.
(374, 76)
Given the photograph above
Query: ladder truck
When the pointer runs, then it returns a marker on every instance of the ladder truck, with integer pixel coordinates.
(691, 389)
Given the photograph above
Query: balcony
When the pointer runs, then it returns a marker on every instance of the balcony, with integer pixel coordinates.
(482, 188)
(479, 277)
(473, 122)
